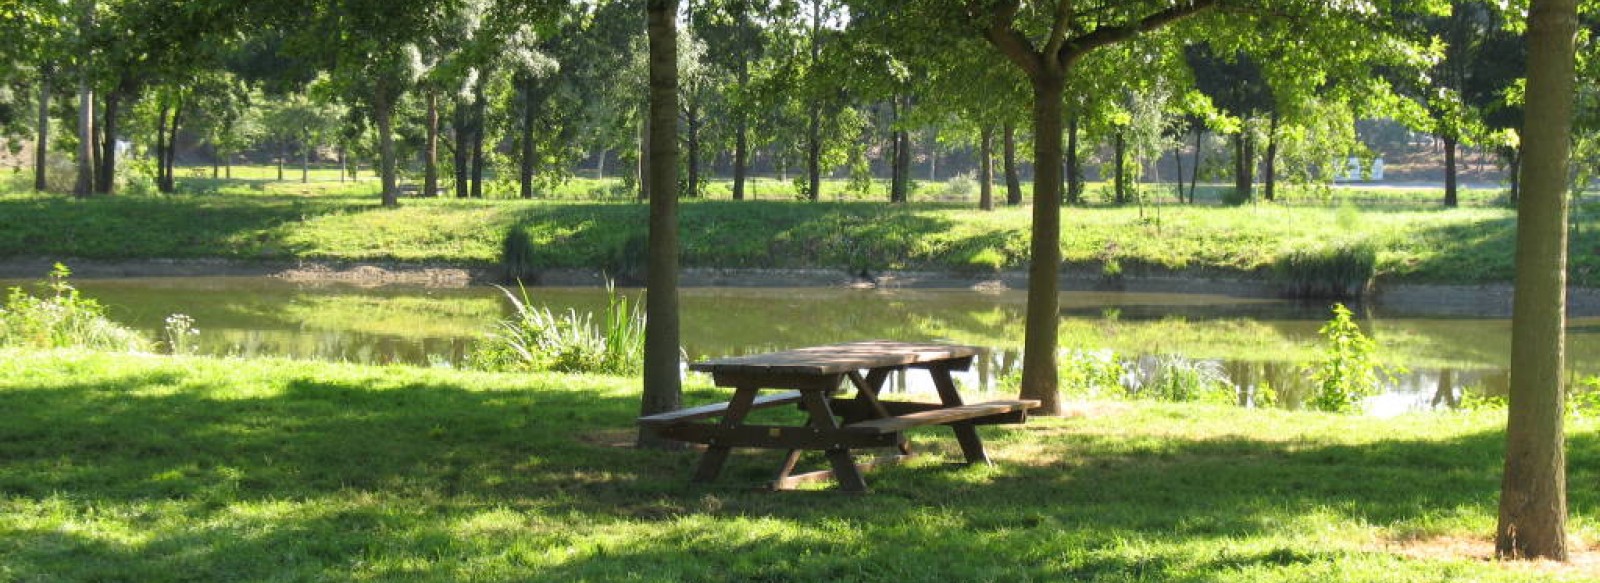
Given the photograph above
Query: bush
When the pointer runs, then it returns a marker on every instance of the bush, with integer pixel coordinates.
(1336, 270)
(1348, 369)
(960, 186)
(1092, 373)
(536, 339)
(1184, 380)
(63, 319)
(516, 257)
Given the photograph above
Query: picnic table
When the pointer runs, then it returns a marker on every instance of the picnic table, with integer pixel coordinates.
(812, 379)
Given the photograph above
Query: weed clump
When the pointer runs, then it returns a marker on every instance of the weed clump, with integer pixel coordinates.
(62, 318)
(516, 257)
(536, 339)
(1348, 369)
(1338, 270)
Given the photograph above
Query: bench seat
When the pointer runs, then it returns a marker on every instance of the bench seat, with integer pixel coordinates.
(945, 416)
(716, 410)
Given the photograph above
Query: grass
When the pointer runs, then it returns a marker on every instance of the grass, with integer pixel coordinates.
(143, 468)
(263, 220)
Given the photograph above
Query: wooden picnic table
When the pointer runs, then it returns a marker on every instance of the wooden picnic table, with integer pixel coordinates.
(812, 378)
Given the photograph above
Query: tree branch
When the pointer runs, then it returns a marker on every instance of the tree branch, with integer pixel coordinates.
(1075, 49)
(1065, 12)
(1000, 33)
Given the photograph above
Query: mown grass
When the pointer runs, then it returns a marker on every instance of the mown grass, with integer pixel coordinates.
(263, 220)
(140, 468)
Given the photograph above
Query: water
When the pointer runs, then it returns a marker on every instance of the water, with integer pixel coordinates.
(1256, 342)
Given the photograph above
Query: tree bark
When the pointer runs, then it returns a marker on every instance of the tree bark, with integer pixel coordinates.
(106, 178)
(1013, 181)
(168, 183)
(529, 151)
(1270, 192)
(741, 132)
(383, 110)
(283, 153)
(1194, 171)
(986, 169)
(461, 127)
(900, 164)
(1039, 374)
(430, 152)
(1450, 194)
(692, 139)
(1177, 159)
(814, 127)
(41, 147)
(85, 184)
(1533, 490)
(663, 387)
(480, 107)
(1243, 165)
(305, 158)
(1074, 165)
(644, 155)
(1119, 177)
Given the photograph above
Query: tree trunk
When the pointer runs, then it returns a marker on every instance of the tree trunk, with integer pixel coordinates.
(663, 387)
(106, 178)
(1074, 165)
(600, 166)
(1272, 158)
(1039, 377)
(1013, 182)
(461, 127)
(529, 151)
(1243, 165)
(41, 148)
(283, 152)
(644, 155)
(1450, 200)
(344, 171)
(986, 169)
(741, 133)
(169, 183)
(382, 110)
(430, 152)
(1515, 174)
(1177, 159)
(814, 127)
(1194, 171)
(900, 164)
(1533, 490)
(305, 158)
(85, 184)
(692, 139)
(480, 107)
(1119, 178)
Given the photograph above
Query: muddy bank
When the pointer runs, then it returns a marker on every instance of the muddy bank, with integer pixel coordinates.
(1487, 300)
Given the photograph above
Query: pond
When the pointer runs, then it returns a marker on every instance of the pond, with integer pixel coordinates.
(1256, 343)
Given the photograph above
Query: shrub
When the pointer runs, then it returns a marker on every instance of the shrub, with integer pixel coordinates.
(63, 319)
(1182, 380)
(1092, 373)
(960, 186)
(1347, 370)
(535, 339)
(1333, 271)
(516, 257)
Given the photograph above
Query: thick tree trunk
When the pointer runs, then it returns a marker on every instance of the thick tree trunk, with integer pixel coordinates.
(1450, 200)
(461, 127)
(430, 151)
(1013, 181)
(1039, 377)
(1243, 165)
(1074, 165)
(85, 184)
(106, 178)
(41, 147)
(480, 107)
(900, 164)
(644, 155)
(986, 169)
(1533, 490)
(663, 387)
(383, 110)
(1270, 193)
(168, 183)
(741, 134)
(529, 151)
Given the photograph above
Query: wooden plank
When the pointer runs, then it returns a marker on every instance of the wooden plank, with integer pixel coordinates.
(943, 416)
(716, 410)
(777, 436)
(826, 383)
(839, 358)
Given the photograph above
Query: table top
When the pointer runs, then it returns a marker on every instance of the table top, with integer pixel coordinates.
(841, 358)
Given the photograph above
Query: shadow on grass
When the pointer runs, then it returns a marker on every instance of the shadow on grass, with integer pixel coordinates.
(434, 480)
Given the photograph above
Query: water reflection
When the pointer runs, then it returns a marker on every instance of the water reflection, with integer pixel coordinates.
(1257, 344)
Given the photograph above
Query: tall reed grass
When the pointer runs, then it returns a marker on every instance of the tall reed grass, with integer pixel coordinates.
(535, 338)
(62, 318)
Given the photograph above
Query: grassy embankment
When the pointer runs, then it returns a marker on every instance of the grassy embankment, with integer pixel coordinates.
(144, 468)
(266, 220)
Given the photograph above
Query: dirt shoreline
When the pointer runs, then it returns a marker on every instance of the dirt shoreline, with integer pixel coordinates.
(1491, 300)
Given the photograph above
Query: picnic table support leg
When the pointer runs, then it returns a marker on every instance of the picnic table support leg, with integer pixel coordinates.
(867, 390)
(711, 461)
(844, 466)
(966, 433)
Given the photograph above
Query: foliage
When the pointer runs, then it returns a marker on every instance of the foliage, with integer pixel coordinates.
(516, 257)
(62, 318)
(1334, 270)
(1348, 369)
(1184, 380)
(1091, 374)
(181, 334)
(536, 338)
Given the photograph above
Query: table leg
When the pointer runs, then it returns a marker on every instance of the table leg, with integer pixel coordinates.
(966, 433)
(711, 461)
(844, 466)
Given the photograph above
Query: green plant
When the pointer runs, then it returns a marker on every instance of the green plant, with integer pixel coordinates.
(62, 318)
(535, 338)
(1336, 270)
(960, 186)
(1348, 369)
(180, 334)
(517, 257)
(1182, 380)
(1091, 373)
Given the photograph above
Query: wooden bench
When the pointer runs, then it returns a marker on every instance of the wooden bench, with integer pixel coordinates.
(835, 425)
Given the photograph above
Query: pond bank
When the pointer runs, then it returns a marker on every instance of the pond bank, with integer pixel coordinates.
(1485, 300)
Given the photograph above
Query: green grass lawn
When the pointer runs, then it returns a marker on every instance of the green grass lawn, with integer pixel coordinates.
(260, 219)
(146, 468)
